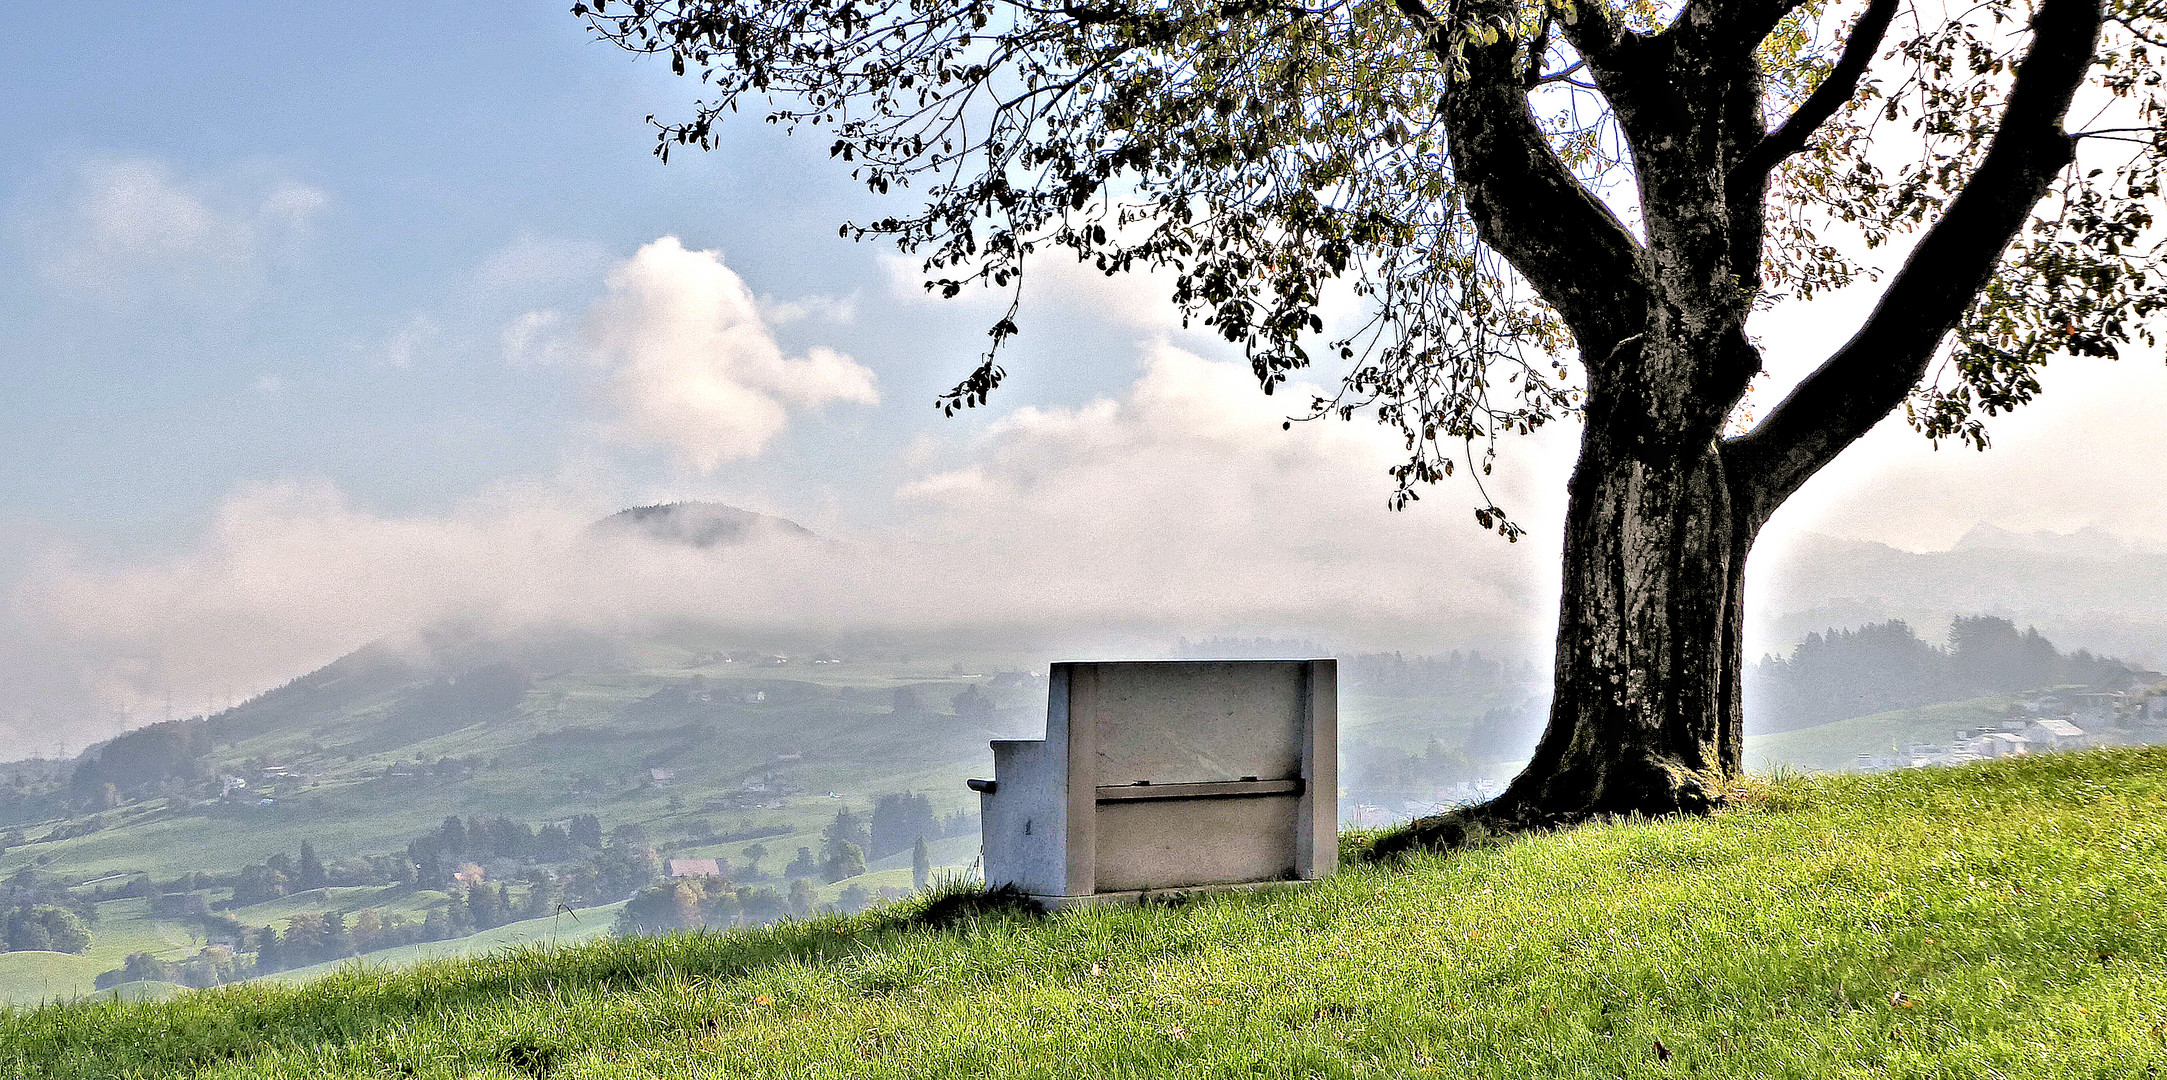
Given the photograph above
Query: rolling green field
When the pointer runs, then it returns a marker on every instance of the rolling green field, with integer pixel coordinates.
(1837, 746)
(2000, 920)
(31, 978)
(566, 928)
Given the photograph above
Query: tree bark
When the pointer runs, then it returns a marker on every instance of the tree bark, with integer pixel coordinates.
(1646, 715)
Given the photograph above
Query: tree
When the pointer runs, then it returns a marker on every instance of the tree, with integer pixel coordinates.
(1549, 208)
(845, 860)
(847, 829)
(308, 870)
(38, 927)
(897, 820)
(921, 865)
(453, 833)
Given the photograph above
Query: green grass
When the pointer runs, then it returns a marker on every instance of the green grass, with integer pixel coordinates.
(143, 990)
(389, 899)
(126, 926)
(31, 978)
(2001, 920)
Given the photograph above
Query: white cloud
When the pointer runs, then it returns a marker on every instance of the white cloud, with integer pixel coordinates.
(837, 310)
(692, 365)
(534, 337)
(534, 263)
(130, 227)
(1178, 507)
(1185, 496)
(415, 339)
(1055, 283)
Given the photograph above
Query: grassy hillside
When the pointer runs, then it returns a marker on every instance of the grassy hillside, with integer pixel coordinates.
(2001, 920)
(31, 978)
(1838, 745)
(567, 928)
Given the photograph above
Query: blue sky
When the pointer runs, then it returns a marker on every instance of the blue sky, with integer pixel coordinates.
(359, 340)
(316, 320)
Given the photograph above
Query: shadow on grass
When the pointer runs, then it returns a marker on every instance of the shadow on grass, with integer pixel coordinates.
(953, 905)
(1488, 824)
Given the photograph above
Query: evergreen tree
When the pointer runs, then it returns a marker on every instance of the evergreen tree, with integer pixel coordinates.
(847, 828)
(921, 865)
(453, 833)
(897, 819)
(308, 870)
(847, 862)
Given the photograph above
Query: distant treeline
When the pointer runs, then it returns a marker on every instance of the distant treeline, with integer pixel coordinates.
(1884, 666)
(1394, 674)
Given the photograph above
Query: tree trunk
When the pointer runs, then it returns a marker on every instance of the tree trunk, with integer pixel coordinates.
(1646, 714)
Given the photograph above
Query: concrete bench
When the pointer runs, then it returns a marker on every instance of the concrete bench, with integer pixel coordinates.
(1168, 776)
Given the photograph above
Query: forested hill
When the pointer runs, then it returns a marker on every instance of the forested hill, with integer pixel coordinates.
(1883, 666)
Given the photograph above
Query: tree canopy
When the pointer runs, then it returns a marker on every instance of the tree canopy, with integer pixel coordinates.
(1469, 169)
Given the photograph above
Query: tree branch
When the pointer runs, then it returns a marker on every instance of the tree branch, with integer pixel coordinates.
(1736, 26)
(1873, 372)
(1526, 204)
(1842, 82)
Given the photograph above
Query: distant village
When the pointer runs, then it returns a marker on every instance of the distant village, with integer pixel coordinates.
(2052, 720)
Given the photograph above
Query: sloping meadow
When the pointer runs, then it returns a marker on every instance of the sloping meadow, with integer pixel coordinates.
(2004, 920)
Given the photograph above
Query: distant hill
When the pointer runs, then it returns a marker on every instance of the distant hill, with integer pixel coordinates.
(2086, 589)
(700, 524)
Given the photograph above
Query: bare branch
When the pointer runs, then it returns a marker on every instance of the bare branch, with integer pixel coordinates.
(1525, 203)
(1873, 372)
(1842, 82)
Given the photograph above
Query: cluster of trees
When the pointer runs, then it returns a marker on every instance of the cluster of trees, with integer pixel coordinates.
(162, 758)
(50, 927)
(1883, 666)
(438, 853)
(541, 869)
(313, 937)
(211, 966)
(1393, 673)
(713, 902)
(1389, 776)
(42, 916)
(600, 869)
(696, 902)
(900, 820)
